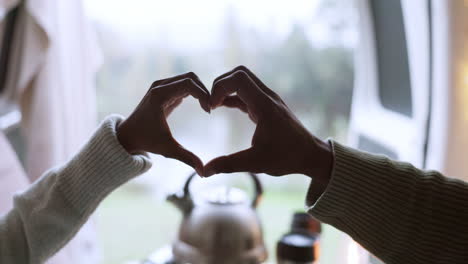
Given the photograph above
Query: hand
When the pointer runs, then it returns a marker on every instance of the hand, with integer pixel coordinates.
(146, 129)
(280, 145)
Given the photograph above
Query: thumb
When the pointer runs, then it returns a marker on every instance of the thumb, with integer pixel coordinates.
(178, 152)
(237, 162)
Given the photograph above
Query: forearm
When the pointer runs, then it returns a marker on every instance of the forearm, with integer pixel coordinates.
(399, 213)
(48, 215)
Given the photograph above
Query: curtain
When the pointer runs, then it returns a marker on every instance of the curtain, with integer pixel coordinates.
(51, 72)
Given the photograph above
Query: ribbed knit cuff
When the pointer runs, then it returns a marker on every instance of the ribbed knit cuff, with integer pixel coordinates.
(100, 167)
(352, 171)
(397, 212)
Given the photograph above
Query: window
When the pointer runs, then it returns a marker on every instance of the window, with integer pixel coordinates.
(392, 56)
(302, 49)
(367, 144)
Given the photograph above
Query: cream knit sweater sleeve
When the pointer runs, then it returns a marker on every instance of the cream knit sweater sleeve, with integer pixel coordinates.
(47, 215)
(399, 213)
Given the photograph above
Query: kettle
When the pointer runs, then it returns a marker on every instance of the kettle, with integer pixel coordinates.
(223, 227)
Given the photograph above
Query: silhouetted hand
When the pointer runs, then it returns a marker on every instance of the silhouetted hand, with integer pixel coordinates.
(280, 145)
(146, 128)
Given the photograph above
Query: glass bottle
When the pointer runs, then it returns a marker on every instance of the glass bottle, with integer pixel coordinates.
(300, 245)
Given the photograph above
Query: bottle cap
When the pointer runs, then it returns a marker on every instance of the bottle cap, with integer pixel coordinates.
(296, 247)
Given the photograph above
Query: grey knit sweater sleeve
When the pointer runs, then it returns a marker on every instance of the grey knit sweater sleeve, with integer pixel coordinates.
(399, 213)
(46, 216)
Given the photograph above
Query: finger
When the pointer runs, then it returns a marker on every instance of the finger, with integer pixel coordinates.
(226, 74)
(164, 81)
(178, 152)
(236, 102)
(257, 81)
(260, 84)
(237, 162)
(172, 106)
(190, 75)
(246, 89)
(180, 89)
(161, 82)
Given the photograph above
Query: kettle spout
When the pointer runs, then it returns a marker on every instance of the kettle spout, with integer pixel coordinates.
(184, 203)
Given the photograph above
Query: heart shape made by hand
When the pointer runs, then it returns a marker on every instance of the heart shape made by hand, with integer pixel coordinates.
(280, 144)
(223, 131)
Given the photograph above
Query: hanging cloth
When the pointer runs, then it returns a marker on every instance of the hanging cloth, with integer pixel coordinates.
(53, 60)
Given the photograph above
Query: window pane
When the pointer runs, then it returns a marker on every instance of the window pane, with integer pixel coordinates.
(369, 145)
(392, 56)
(302, 49)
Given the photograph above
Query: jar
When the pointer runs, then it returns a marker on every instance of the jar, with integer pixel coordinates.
(300, 245)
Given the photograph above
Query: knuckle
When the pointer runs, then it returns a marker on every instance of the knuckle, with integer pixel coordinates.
(191, 75)
(241, 68)
(219, 81)
(155, 90)
(188, 82)
(155, 83)
(182, 83)
(240, 74)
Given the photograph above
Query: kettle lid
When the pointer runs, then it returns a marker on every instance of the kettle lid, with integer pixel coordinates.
(231, 196)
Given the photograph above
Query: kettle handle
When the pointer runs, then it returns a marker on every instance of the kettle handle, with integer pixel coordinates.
(258, 190)
(257, 185)
(187, 184)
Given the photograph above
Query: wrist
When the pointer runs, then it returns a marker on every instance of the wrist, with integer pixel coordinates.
(320, 166)
(319, 163)
(124, 137)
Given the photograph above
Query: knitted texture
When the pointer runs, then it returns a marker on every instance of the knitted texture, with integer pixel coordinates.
(52, 210)
(399, 213)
